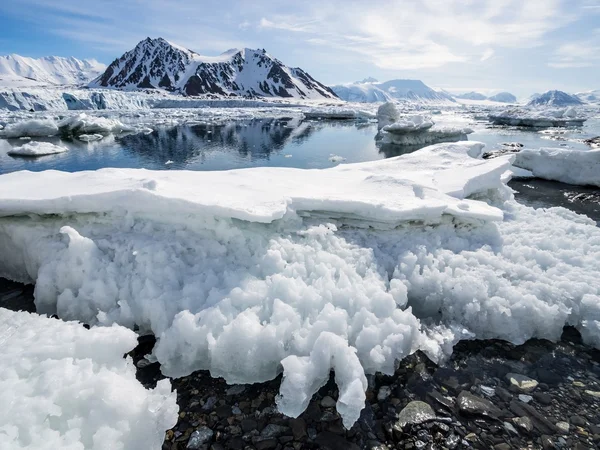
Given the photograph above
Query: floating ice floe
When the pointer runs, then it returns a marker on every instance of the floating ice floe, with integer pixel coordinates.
(30, 128)
(37, 149)
(387, 114)
(336, 158)
(90, 137)
(337, 113)
(65, 387)
(561, 164)
(526, 117)
(247, 273)
(84, 124)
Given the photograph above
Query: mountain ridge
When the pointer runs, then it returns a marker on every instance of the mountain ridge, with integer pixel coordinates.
(159, 64)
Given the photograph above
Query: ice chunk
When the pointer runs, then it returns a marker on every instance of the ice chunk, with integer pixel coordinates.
(527, 117)
(30, 128)
(63, 386)
(37, 149)
(336, 158)
(90, 137)
(304, 376)
(409, 123)
(562, 164)
(387, 114)
(84, 124)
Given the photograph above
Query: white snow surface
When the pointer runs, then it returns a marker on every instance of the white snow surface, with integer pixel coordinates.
(248, 272)
(410, 123)
(37, 149)
(17, 70)
(65, 387)
(562, 164)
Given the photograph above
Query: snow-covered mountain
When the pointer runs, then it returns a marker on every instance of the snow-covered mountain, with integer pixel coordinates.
(472, 96)
(403, 90)
(55, 70)
(554, 98)
(589, 96)
(361, 92)
(159, 64)
(503, 97)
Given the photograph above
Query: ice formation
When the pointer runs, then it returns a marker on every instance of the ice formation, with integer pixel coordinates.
(31, 128)
(387, 114)
(337, 113)
(562, 164)
(85, 124)
(37, 149)
(547, 117)
(249, 272)
(65, 387)
(410, 123)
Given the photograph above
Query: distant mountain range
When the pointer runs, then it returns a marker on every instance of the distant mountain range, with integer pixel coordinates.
(370, 90)
(554, 98)
(502, 97)
(54, 70)
(159, 64)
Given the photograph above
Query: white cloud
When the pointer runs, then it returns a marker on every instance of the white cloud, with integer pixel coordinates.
(576, 55)
(487, 54)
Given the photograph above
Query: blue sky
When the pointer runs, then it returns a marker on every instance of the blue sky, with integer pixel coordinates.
(521, 46)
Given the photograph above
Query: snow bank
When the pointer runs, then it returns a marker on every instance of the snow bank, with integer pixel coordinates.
(246, 273)
(526, 117)
(30, 128)
(37, 149)
(62, 386)
(562, 164)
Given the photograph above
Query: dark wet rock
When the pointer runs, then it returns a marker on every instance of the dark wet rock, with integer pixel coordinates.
(472, 404)
(440, 399)
(540, 421)
(414, 413)
(502, 446)
(453, 380)
(578, 421)
(521, 383)
(542, 398)
(249, 425)
(523, 424)
(266, 444)
(331, 441)
(273, 430)
(547, 443)
(298, 427)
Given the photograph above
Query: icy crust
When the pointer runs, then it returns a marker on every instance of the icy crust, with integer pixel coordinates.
(420, 186)
(247, 299)
(37, 149)
(562, 164)
(65, 387)
(548, 117)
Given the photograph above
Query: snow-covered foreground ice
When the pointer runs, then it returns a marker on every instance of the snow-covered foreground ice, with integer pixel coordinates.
(37, 149)
(562, 164)
(65, 387)
(249, 272)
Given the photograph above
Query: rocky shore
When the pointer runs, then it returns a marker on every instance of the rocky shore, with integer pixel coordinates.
(489, 395)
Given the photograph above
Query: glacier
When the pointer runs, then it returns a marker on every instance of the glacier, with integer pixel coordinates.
(63, 386)
(255, 272)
